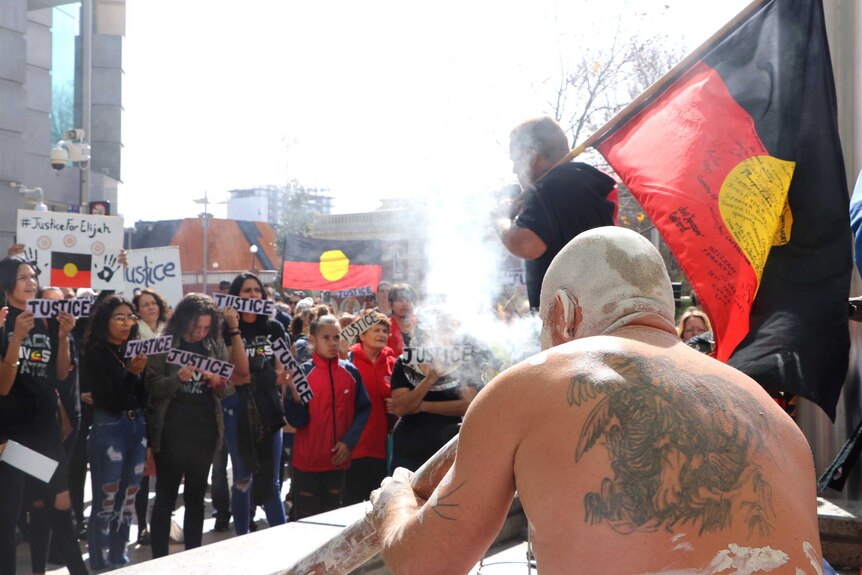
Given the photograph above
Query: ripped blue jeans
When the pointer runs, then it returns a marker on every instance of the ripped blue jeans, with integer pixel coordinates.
(240, 493)
(117, 452)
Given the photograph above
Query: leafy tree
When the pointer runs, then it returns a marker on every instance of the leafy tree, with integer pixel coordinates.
(602, 80)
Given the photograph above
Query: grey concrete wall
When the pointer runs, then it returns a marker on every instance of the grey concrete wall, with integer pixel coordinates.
(13, 26)
(25, 117)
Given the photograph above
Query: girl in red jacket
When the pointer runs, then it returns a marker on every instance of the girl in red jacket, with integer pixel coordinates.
(328, 427)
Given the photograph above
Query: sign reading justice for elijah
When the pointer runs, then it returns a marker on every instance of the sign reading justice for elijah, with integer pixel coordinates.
(73, 250)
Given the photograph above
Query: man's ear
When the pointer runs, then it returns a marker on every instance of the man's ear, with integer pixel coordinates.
(572, 314)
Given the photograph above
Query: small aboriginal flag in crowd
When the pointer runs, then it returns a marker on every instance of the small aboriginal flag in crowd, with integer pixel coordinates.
(70, 270)
(331, 265)
(737, 160)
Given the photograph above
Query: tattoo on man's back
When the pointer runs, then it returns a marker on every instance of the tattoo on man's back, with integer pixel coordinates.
(679, 454)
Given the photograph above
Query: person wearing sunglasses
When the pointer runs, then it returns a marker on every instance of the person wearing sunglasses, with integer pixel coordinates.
(117, 444)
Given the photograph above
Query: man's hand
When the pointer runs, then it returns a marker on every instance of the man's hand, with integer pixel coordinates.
(87, 397)
(393, 503)
(340, 454)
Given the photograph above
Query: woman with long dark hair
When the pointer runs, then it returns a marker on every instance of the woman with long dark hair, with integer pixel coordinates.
(117, 444)
(34, 356)
(36, 492)
(255, 415)
(187, 423)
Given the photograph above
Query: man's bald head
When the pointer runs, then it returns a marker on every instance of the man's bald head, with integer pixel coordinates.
(603, 279)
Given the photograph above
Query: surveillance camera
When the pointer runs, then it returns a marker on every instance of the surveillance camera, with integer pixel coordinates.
(59, 157)
(77, 134)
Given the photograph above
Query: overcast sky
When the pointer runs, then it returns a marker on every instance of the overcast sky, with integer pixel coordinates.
(368, 99)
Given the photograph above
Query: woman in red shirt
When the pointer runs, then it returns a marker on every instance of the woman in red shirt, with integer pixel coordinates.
(374, 360)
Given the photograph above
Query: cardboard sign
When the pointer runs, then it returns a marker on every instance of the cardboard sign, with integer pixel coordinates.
(245, 305)
(73, 250)
(29, 461)
(352, 332)
(515, 277)
(448, 359)
(355, 292)
(78, 307)
(155, 268)
(200, 362)
(282, 352)
(151, 346)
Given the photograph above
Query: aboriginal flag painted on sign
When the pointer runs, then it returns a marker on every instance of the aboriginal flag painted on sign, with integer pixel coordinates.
(739, 164)
(70, 270)
(330, 264)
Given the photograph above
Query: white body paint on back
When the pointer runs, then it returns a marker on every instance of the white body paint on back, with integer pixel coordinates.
(746, 560)
(815, 561)
(736, 560)
(680, 545)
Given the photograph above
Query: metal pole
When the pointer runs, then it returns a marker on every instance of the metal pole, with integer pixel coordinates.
(206, 243)
(86, 90)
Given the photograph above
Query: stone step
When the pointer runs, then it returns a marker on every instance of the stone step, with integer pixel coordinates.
(840, 525)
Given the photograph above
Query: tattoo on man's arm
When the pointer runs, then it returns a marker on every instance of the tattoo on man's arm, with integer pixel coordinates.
(443, 506)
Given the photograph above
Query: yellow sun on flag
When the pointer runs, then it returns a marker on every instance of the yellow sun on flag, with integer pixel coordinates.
(334, 265)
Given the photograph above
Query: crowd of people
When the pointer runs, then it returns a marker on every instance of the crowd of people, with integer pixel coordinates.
(69, 391)
(357, 410)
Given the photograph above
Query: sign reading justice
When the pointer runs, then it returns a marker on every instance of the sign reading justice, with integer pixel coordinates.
(245, 305)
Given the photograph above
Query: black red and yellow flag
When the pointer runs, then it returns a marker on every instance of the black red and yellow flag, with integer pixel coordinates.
(70, 270)
(330, 264)
(738, 162)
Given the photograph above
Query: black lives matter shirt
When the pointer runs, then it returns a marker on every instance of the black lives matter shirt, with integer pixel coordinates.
(258, 337)
(30, 414)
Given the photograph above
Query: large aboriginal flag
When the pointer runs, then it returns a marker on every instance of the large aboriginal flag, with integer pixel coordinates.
(70, 270)
(738, 162)
(330, 264)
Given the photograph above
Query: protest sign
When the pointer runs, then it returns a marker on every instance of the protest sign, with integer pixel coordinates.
(73, 250)
(245, 305)
(78, 307)
(282, 352)
(155, 268)
(29, 461)
(446, 359)
(152, 346)
(357, 328)
(200, 362)
(354, 292)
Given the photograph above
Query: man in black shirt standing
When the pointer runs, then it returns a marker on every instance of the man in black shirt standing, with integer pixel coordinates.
(557, 202)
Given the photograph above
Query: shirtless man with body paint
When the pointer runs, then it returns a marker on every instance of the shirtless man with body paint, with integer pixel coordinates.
(631, 452)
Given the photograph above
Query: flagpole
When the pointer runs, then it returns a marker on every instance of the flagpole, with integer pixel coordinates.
(660, 84)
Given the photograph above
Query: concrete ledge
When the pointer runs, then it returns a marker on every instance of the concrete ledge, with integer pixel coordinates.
(271, 550)
(840, 525)
(268, 551)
